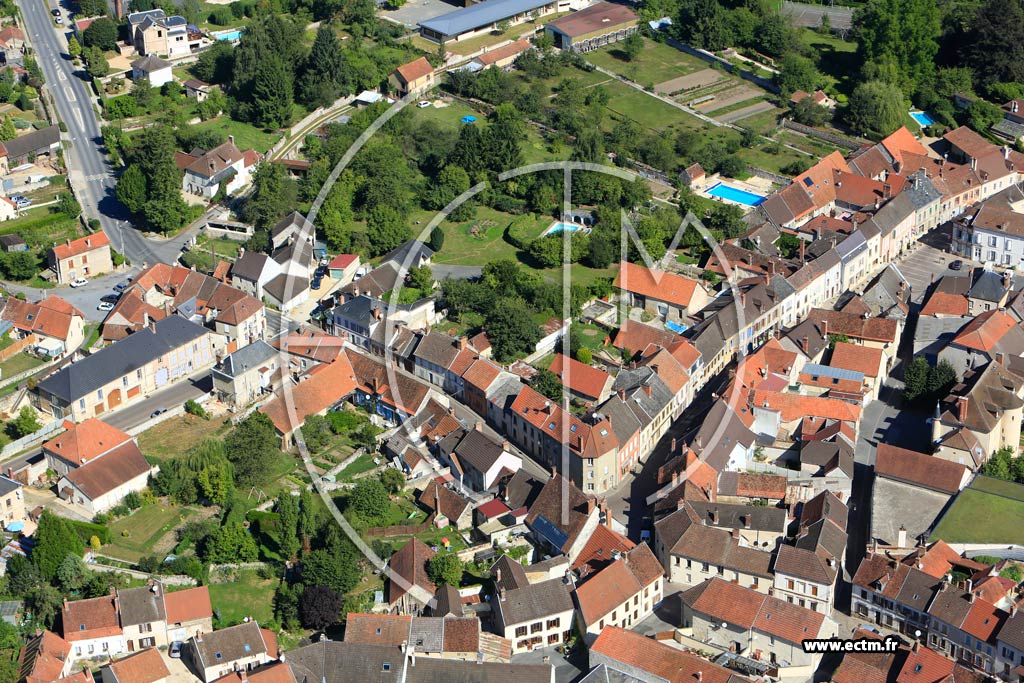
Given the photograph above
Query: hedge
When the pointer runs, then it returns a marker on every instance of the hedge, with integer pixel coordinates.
(87, 530)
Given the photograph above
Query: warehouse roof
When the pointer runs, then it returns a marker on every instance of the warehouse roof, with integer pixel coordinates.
(479, 15)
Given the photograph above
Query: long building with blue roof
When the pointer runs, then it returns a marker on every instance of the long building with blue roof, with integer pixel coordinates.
(484, 17)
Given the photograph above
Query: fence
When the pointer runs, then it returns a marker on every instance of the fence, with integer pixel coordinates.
(838, 140)
(712, 58)
(401, 529)
(768, 175)
(27, 440)
(169, 579)
(17, 346)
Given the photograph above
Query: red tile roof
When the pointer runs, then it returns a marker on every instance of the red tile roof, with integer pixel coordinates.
(100, 476)
(796, 407)
(744, 607)
(504, 52)
(343, 260)
(664, 662)
(634, 336)
(493, 508)
(81, 246)
(919, 468)
(51, 317)
(945, 303)
(600, 546)
(580, 378)
(92, 618)
(985, 331)
(191, 604)
(145, 666)
(86, 440)
(415, 70)
(277, 672)
(864, 359)
(42, 659)
(328, 384)
(656, 284)
(901, 142)
(481, 374)
(409, 566)
(377, 629)
(925, 666)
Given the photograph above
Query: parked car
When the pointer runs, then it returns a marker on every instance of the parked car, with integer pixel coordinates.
(105, 306)
(321, 271)
(956, 265)
(175, 650)
(157, 413)
(315, 284)
(55, 12)
(423, 104)
(318, 313)
(59, 21)
(110, 298)
(79, 282)
(121, 286)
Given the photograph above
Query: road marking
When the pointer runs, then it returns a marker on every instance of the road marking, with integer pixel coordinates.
(78, 115)
(61, 76)
(70, 94)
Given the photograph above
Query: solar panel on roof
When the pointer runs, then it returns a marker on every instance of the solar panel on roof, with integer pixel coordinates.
(808, 182)
(549, 531)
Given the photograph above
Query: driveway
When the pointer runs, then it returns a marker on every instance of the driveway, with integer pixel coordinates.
(138, 413)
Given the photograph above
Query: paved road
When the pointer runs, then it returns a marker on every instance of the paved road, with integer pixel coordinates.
(173, 396)
(84, 298)
(90, 173)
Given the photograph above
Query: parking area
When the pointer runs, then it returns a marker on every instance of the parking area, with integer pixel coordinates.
(415, 11)
(925, 265)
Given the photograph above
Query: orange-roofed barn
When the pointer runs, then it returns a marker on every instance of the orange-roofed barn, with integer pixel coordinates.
(669, 296)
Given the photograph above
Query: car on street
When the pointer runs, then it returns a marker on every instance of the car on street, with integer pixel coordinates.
(105, 306)
(956, 265)
(321, 270)
(110, 298)
(55, 12)
(315, 284)
(175, 650)
(157, 413)
(58, 21)
(79, 282)
(121, 286)
(423, 104)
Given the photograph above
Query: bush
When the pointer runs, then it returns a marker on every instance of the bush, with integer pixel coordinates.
(87, 530)
(193, 408)
(120, 510)
(133, 500)
(522, 231)
(221, 16)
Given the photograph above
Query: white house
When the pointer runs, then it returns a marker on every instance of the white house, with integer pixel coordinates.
(237, 648)
(206, 172)
(535, 615)
(157, 71)
(93, 627)
(102, 483)
(252, 271)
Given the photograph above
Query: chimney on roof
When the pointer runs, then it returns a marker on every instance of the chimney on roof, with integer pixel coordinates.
(746, 521)
(675, 479)
(714, 515)
(479, 426)
(886, 191)
(622, 394)
(743, 299)
(1006, 148)
(901, 537)
(1001, 358)
(680, 503)
(231, 139)
(917, 645)
(497, 575)
(824, 327)
(961, 408)
(804, 344)
(647, 389)
(803, 258)
(67, 242)
(590, 505)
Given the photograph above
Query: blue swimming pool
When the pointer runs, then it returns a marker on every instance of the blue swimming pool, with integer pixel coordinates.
(675, 327)
(734, 194)
(228, 35)
(922, 117)
(558, 227)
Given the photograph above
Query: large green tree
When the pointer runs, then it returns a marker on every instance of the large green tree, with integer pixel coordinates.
(903, 31)
(445, 569)
(287, 508)
(272, 93)
(704, 23)
(876, 109)
(320, 83)
(102, 33)
(252, 447)
(995, 44)
(55, 538)
(511, 329)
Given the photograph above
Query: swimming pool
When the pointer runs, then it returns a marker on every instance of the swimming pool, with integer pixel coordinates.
(734, 194)
(232, 36)
(675, 327)
(922, 117)
(559, 227)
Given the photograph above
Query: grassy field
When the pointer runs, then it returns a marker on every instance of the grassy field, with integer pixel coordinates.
(655, 64)
(145, 527)
(364, 463)
(651, 113)
(1004, 518)
(41, 229)
(836, 58)
(463, 247)
(18, 363)
(246, 596)
(175, 436)
(999, 487)
(246, 136)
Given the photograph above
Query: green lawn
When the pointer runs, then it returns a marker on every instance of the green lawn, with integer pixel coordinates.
(836, 58)
(477, 241)
(656, 63)
(999, 487)
(246, 135)
(247, 595)
(364, 463)
(145, 527)
(175, 436)
(1003, 519)
(18, 363)
(626, 102)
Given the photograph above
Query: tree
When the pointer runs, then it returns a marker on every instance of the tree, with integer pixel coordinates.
(192, 10)
(19, 265)
(286, 605)
(393, 480)
(131, 188)
(387, 229)
(445, 569)
(904, 32)
(369, 499)
(231, 543)
(319, 607)
(102, 33)
(95, 63)
(68, 205)
(421, 278)
(797, 72)
(450, 182)
(55, 539)
(43, 601)
(252, 447)
(94, 543)
(215, 63)
(307, 519)
(287, 508)
(71, 573)
(268, 201)
(22, 575)
(941, 379)
(982, 115)
(704, 24)
(7, 129)
(994, 47)
(272, 93)
(337, 568)
(632, 46)
(915, 379)
(511, 329)
(876, 109)
(74, 48)
(324, 70)
(26, 423)
(548, 383)
(437, 239)
(584, 355)
(810, 113)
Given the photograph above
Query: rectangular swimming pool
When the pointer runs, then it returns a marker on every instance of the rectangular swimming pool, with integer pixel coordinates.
(922, 117)
(734, 194)
(229, 35)
(558, 227)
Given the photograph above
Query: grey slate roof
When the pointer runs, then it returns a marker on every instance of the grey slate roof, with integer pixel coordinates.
(246, 358)
(533, 602)
(988, 286)
(141, 605)
(339, 662)
(828, 456)
(359, 310)
(121, 358)
(472, 447)
(33, 142)
(437, 348)
(635, 383)
(480, 15)
(293, 220)
(284, 286)
(8, 485)
(427, 635)
(417, 249)
(804, 564)
(731, 516)
(250, 266)
(512, 574)
(150, 63)
(232, 643)
(722, 422)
